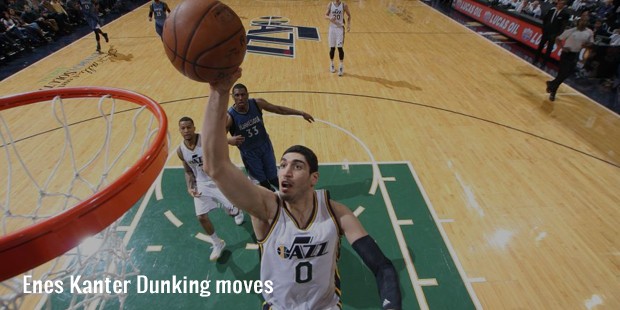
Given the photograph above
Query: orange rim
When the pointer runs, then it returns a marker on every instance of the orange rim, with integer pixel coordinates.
(34, 245)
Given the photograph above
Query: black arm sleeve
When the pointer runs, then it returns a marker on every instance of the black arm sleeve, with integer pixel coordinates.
(381, 266)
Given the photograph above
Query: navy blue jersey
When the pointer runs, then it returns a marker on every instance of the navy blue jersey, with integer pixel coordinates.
(250, 125)
(88, 8)
(159, 10)
(91, 15)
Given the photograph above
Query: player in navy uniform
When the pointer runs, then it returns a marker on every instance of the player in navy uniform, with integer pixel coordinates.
(248, 133)
(298, 228)
(160, 9)
(91, 14)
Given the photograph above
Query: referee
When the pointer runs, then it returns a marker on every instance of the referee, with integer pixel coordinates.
(571, 41)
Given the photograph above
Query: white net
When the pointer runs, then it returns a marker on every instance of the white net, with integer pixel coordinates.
(52, 161)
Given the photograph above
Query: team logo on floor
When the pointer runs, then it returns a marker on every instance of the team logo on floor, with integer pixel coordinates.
(273, 35)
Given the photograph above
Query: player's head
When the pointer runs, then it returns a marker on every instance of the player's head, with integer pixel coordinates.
(308, 154)
(298, 171)
(240, 96)
(187, 128)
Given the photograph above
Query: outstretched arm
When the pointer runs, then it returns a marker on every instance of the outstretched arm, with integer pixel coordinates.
(369, 251)
(257, 201)
(278, 109)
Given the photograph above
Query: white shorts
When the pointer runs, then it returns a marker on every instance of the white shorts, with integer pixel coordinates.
(335, 36)
(209, 198)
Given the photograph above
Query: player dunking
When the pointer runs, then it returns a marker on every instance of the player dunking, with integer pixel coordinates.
(298, 228)
(335, 15)
(201, 187)
(160, 9)
(91, 14)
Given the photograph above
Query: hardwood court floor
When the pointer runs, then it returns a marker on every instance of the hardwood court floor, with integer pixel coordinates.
(526, 190)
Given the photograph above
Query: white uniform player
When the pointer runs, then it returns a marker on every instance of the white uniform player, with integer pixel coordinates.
(335, 36)
(201, 187)
(208, 195)
(311, 253)
(336, 25)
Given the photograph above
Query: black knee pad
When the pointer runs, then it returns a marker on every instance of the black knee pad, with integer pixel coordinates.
(331, 52)
(340, 53)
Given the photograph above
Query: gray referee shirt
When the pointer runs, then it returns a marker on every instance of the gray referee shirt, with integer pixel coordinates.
(574, 39)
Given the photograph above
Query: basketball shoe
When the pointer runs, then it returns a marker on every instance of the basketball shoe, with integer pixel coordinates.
(341, 70)
(239, 218)
(332, 69)
(218, 247)
(237, 214)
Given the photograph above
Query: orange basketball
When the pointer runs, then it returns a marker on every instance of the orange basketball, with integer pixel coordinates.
(204, 39)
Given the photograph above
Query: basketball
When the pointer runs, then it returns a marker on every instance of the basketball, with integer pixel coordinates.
(204, 39)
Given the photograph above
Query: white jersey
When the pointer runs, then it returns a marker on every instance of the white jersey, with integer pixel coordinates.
(193, 158)
(336, 12)
(301, 263)
(209, 195)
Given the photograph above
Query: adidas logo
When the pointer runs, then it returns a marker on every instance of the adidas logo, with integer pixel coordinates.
(385, 302)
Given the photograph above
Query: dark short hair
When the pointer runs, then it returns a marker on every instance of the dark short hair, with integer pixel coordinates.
(308, 155)
(186, 119)
(239, 86)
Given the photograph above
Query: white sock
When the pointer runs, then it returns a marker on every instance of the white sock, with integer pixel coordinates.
(341, 65)
(332, 62)
(215, 238)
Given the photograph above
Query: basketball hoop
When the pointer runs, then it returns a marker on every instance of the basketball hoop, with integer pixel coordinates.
(28, 247)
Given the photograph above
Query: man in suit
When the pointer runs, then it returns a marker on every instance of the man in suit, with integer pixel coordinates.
(554, 22)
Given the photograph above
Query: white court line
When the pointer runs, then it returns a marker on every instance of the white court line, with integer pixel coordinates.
(404, 222)
(388, 179)
(158, 192)
(428, 282)
(123, 228)
(251, 246)
(413, 274)
(358, 211)
(173, 219)
(138, 216)
(446, 240)
(203, 237)
(154, 248)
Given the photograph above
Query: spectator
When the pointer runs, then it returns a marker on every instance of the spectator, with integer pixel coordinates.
(523, 5)
(535, 9)
(615, 37)
(29, 16)
(605, 11)
(600, 29)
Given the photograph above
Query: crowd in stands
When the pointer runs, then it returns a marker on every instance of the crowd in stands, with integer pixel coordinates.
(604, 14)
(28, 24)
